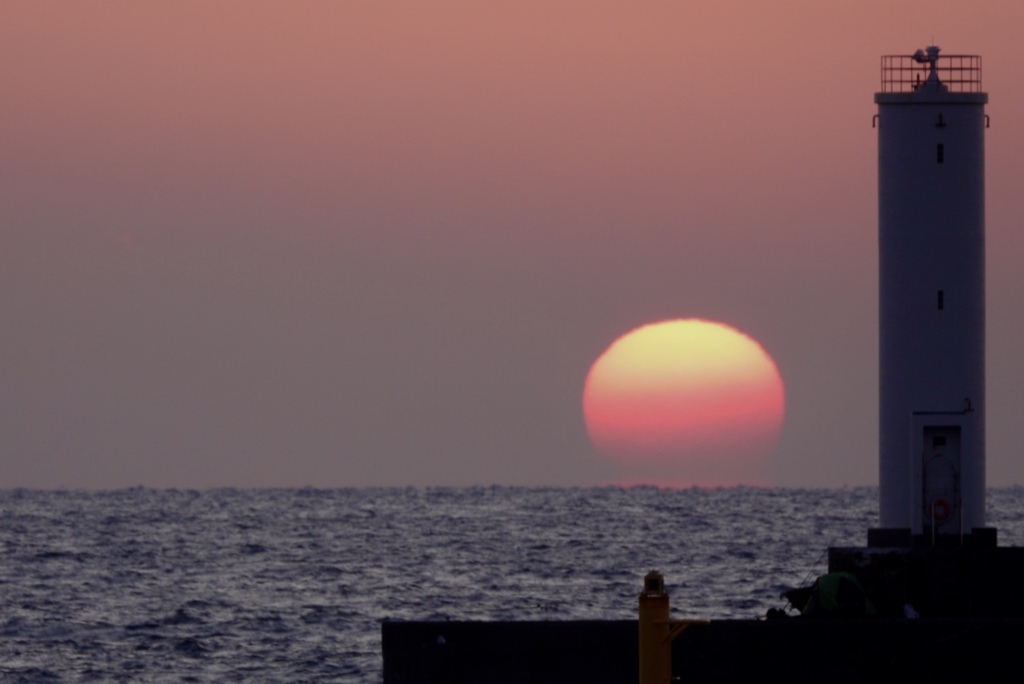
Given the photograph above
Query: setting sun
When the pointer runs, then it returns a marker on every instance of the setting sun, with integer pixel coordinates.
(685, 402)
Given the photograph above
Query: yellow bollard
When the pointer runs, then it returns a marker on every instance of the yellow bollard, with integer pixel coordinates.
(655, 645)
(657, 631)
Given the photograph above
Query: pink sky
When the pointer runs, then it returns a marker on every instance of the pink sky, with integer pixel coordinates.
(360, 243)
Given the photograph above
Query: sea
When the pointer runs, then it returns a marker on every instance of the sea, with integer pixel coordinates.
(291, 585)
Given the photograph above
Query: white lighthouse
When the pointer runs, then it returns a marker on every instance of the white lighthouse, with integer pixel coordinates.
(931, 242)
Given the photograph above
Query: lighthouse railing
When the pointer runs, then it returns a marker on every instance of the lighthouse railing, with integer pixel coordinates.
(905, 74)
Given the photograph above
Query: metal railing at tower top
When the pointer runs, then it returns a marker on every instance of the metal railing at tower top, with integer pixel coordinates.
(906, 73)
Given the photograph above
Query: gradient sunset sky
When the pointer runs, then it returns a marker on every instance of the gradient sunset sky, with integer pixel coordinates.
(381, 243)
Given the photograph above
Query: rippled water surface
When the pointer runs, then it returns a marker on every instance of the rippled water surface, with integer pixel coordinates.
(291, 585)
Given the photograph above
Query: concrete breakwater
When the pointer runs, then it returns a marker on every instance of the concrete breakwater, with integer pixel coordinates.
(723, 651)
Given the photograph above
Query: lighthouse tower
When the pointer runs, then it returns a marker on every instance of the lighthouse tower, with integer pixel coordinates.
(931, 241)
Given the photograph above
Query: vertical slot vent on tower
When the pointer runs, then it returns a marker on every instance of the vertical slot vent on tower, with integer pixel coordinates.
(939, 153)
(942, 300)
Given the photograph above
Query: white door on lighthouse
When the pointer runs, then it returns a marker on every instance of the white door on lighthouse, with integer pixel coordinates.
(941, 480)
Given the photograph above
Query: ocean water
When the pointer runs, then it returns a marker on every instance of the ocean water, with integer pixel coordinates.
(292, 584)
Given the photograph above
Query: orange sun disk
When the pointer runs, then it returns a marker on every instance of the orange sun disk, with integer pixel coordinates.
(685, 402)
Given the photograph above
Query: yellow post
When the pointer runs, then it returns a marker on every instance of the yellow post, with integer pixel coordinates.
(657, 631)
(655, 644)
